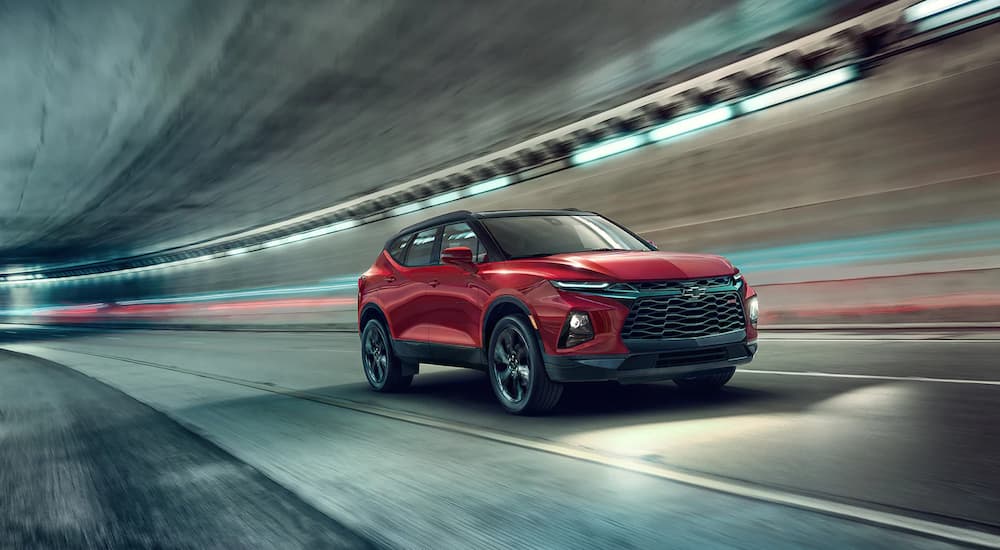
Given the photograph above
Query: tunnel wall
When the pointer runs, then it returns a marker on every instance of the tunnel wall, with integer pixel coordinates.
(876, 202)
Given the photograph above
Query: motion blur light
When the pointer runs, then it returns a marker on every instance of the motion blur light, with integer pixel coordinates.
(932, 14)
(692, 123)
(441, 199)
(489, 185)
(346, 224)
(928, 8)
(406, 208)
(608, 148)
(799, 89)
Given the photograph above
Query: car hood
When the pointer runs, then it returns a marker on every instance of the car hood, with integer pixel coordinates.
(636, 266)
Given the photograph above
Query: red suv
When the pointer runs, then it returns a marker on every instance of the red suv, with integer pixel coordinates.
(539, 298)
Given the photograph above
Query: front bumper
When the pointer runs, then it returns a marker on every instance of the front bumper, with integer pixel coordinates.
(652, 360)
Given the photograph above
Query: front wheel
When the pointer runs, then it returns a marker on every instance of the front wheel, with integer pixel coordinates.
(517, 370)
(383, 369)
(706, 383)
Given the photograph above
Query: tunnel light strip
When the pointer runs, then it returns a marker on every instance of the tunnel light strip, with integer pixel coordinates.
(240, 294)
(445, 198)
(406, 209)
(961, 11)
(489, 185)
(608, 148)
(692, 123)
(51, 309)
(928, 8)
(799, 89)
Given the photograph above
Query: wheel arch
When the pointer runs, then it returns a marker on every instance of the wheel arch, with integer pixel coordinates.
(500, 308)
(372, 311)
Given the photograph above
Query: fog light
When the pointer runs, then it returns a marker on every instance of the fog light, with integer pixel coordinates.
(577, 329)
(753, 311)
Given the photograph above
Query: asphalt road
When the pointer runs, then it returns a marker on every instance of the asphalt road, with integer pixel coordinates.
(84, 466)
(897, 425)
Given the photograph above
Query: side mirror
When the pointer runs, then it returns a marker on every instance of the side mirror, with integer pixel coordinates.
(458, 255)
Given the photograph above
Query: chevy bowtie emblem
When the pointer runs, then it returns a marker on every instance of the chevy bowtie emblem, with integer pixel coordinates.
(693, 292)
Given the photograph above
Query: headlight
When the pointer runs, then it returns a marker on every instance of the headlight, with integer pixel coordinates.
(580, 285)
(753, 311)
(576, 330)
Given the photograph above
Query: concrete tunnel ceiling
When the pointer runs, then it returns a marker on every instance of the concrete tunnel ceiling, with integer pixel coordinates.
(129, 127)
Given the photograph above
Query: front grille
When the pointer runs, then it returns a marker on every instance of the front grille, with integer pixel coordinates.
(657, 317)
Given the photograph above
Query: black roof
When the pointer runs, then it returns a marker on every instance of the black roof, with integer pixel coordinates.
(464, 215)
(550, 212)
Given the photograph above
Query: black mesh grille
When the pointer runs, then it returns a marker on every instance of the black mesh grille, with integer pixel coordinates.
(658, 317)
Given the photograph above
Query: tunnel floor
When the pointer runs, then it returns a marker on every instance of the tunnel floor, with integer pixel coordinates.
(84, 466)
(883, 422)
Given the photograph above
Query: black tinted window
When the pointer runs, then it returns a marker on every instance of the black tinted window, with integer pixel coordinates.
(525, 236)
(397, 248)
(421, 250)
(460, 234)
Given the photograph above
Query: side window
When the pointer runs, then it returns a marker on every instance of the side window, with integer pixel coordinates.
(397, 248)
(421, 250)
(460, 234)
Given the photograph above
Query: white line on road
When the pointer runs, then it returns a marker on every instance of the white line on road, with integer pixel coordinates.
(876, 340)
(874, 377)
(749, 490)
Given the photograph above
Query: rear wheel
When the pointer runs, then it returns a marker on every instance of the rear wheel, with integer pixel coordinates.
(517, 370)
(383, 369)
(706, 383)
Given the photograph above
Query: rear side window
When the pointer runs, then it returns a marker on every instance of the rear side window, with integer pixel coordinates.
(421, 250)
(460, 234)
(397, 248)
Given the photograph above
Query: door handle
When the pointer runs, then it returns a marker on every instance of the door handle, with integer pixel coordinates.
(434, 283)
(390, 279)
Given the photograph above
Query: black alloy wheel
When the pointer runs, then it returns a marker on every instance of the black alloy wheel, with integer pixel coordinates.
(382, 368)
(517, 369)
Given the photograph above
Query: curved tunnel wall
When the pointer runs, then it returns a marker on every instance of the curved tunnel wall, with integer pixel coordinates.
(873, 202)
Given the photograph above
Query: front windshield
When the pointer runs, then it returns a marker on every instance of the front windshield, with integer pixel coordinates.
(532, 236)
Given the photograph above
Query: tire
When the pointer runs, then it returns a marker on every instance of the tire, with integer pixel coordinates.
(706, 383)
(517, 369)
(383, 370)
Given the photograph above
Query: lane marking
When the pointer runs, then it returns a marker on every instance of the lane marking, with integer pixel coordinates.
(893, 340)
(874, 377)
(937, 530)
